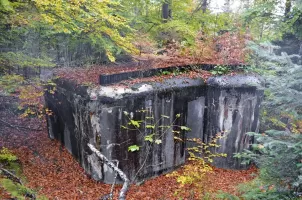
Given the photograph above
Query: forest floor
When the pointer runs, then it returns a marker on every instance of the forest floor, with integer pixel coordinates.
(49, 168)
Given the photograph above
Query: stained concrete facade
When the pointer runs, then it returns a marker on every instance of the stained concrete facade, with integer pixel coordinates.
(99, 115)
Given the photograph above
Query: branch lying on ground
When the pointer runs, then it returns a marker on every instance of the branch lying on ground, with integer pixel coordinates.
(11, 176)
(14, 178)
(123, 176)
(18, 127)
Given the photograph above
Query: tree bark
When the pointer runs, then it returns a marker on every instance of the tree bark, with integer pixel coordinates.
(166, 11)
(288, 6)
(204, 5)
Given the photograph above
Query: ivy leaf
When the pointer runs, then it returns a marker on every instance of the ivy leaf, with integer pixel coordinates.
(133, 148)
(178, 115)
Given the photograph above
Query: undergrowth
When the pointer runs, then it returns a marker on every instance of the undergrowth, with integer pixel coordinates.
(9, 161)
(195, 173)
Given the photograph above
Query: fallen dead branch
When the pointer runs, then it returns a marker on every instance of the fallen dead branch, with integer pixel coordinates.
(11, 176)
(16, 179)
(123, 192)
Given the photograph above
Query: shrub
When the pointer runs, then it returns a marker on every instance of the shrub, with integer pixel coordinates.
(7, 156)
(278, 154)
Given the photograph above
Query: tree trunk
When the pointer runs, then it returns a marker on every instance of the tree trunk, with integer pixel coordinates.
(166, 11)
(288, 6)
(227, 6)
(204, 5)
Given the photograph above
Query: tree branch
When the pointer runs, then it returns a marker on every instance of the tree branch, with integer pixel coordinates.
(11, 176)
(123, 192)
(14, 178)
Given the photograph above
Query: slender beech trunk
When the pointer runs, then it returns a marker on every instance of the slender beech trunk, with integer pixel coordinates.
(288, 6)
(166, 10)
(204, 5)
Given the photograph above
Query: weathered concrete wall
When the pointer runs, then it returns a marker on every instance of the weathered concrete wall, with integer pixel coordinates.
(233, 104)
(96, 115)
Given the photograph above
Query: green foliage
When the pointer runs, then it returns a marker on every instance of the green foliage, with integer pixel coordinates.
(185, 128)
(11, 59)
(43, 32)
(149, 137)
(7, 156)
(157, 131)
(226, 196)
(203, 151)
(5, 6)
(201, 157)
(283, 92)
(293, 22)
(133, 148)
(257, 189)
(265, 22)
(187, 21)
(175, 30)
(18, 191)
(10, 83)
(220, 70)
(262, 21)
(278, 154)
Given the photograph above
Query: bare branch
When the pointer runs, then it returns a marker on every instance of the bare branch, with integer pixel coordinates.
(123, 192)
(11, 176)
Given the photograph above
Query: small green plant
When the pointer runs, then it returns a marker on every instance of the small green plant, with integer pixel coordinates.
(16, 190)
(220, 70)
(10, 83)
(203, 151)
(226, 196)
(201, 158)
(19, 191)
(9, 180)
(165, 72)
(155, 131)
(7, 156)
(133, 148)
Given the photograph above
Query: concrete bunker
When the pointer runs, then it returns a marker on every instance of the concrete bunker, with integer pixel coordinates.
(96, 115)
